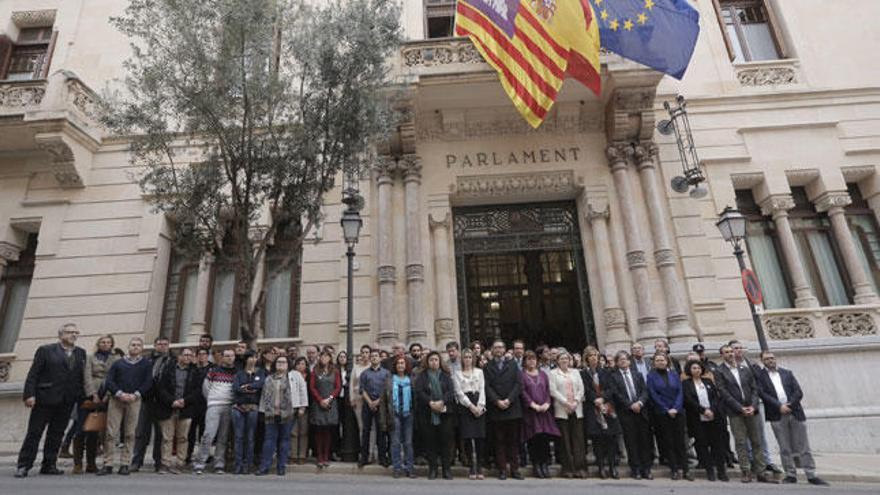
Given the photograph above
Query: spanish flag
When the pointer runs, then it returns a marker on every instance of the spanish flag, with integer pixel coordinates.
(533, 44)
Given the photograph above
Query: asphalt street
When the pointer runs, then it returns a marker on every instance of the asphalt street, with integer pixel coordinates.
(144, 484)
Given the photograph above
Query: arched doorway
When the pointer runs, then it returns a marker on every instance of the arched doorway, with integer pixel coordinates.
(520, 274)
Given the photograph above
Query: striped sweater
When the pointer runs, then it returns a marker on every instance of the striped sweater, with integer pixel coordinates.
(217, 387)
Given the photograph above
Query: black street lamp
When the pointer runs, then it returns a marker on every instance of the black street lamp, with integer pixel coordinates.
(351, 229)
(679, 124)
(732, 225)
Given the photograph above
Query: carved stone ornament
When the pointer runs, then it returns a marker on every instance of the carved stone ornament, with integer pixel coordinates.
(411, 165)
(34, 18)
(510, 185)
(851, 324)
(617, 154)
(386, 167)
(636, 259)
(601, 214)
(664, 257)
(630, 114)
(789, 327)
(415, 272)
(387, 274)
(444, 222)
(767, 76)
(440, 53)
(777, 203)
(63, 161)
(431, 127)
(614, 318)
(9, 251)
(835, 199)
(5, 370)
(82, 98)
(645, 153)
(16, 96)
(443, 327)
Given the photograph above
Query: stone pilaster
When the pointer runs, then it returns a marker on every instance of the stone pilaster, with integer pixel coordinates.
(200, 311)
(678, 323)
(415, 268)
(834, 203)
(443, 323)
(649, 324)
(777, 207)
(612, 313)
(387, 273)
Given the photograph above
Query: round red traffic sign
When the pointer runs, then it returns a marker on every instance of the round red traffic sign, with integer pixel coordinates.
(752, 287)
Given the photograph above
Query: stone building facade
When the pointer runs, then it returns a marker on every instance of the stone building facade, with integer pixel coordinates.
(477, 226)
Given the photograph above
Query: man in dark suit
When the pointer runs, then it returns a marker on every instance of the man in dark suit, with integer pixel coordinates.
(739, 393)
(628, 392)
(53, 385)
(503, 388)
(782, 396)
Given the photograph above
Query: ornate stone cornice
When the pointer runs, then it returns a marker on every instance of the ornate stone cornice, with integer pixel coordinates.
(767, 76)
(440, 53)
(747, 180)
(386, 167)
(832, 199)
(630, 113)
(432, 127)
(444, 222)
(33, 18)
(20, 96)
(8, 252)
(511, 185)
(776, 204)
(63, 160)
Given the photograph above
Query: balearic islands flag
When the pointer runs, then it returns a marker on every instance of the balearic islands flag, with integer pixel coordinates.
(533, 44)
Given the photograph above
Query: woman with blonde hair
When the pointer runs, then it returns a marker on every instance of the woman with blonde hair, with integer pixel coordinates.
(94, 373)
(567, 390)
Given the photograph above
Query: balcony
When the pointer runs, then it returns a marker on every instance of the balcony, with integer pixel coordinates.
(55, 117)
(813, 323)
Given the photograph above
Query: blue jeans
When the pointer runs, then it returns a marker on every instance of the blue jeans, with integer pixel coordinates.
(244, 424)
(401, 438)
(277, 439)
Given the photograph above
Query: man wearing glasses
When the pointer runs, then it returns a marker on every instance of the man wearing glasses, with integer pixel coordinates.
(53, 385)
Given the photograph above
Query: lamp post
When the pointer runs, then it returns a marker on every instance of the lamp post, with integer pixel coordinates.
(351, 223)
(732, 225)
(679, 124)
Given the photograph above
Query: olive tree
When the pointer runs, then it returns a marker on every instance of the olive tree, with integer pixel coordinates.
(241, 114)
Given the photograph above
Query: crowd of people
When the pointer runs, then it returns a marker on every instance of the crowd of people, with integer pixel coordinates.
(485, 408)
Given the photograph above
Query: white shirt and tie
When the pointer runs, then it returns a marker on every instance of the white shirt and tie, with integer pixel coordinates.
(630, 387)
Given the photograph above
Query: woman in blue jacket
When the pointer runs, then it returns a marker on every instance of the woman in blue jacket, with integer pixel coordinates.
(664, 387)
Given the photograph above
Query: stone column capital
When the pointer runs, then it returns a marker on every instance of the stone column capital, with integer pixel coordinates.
(617, 154)
(8, 252)
(645, 154)
(411, 166)
(385, 167)
(777, 204)
(443, 223)
(832, 202)
(598, 213)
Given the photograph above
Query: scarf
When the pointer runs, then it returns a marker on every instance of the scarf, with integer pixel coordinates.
(436, 393)
(102, 355)
(664, 374)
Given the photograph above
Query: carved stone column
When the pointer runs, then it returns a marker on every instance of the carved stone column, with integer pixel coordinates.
(678, 324)
(442, 278)
(415, 268)
(200, 311)
(386, 271)
(649, 324)
(8, 252)
(777, 207)
(834, 203)
(612, 313)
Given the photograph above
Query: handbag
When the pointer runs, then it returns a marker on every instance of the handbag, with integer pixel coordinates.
(96, 422)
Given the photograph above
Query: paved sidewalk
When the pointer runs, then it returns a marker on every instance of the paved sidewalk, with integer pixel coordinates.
(858, 468)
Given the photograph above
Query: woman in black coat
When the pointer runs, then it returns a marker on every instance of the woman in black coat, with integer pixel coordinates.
(601, 426)
(435, 403)
(705, 420)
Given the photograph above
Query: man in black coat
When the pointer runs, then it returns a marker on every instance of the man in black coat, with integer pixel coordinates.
(782, 396)
(629, 394)
(739, 393)
(503, 388)
(178, 395)
(53, 385)
(148, 424)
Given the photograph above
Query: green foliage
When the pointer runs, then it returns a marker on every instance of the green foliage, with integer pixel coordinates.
(242, 112)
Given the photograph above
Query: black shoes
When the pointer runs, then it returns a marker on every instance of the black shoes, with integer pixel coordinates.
(447, 474)
(501, 475)
(51, 470)
(123, 470)
(789, 480)
(763, 478)
(710, 474)
(21, 472)
(817, 481)
(104, 471)
(432, 473)
(646, 475)
(516, 475)
(613, 472)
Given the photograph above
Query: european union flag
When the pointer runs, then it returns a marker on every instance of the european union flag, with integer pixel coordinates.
(658, 33)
